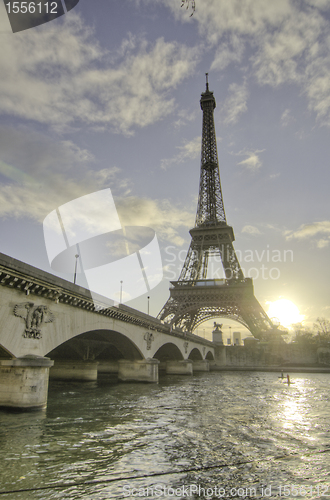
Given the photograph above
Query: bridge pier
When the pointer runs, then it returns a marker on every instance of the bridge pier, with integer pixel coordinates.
(145, 370)
(107, 367)
(183, 367)
(84, 371)
(220, 358)
(201, 365)
(24, 382)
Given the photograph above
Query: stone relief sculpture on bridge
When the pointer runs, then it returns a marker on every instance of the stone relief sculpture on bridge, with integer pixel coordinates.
(34, 317)
(185, 345)
(148, 337)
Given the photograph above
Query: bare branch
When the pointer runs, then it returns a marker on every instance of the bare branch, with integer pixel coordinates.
(187, 3)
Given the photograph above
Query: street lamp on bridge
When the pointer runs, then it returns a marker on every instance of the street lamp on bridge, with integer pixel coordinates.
(75, 269)
(121, 292)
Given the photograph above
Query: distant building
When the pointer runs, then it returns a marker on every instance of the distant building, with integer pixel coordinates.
(237, 338)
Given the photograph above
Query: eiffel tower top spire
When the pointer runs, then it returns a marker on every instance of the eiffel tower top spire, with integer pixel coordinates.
(207, 81)
(210, 209)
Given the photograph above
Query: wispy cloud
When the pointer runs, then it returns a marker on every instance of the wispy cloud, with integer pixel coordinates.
(298, 52)
(218, 17)
(252, 162)
(287, 118)
(312, 231)
(184, 116)
(323, 243)
(309, 230)
(235, 104)
(62, 77)
(287, 42)
(189, 151)
(41, 174)
(251, 230)
(228, 52)
(161, 215)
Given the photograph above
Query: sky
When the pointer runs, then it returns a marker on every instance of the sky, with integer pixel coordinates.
(107, 96)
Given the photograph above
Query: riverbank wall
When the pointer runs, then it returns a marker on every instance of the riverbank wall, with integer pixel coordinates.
(272, 356)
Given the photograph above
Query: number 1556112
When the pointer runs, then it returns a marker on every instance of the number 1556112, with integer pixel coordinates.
(31, 7)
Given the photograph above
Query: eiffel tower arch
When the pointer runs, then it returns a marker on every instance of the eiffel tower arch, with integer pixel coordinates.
(194, 298)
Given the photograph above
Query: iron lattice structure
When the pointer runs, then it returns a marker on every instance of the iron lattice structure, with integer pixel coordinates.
(194, 298)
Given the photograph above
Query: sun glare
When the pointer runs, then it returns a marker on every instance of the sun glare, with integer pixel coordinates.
(285, 311)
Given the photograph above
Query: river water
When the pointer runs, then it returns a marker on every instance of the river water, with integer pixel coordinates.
(214, 435)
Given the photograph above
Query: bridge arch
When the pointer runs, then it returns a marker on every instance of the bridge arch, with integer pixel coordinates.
(168, 352)
(105, 345)
(209, 356)
(195, 355)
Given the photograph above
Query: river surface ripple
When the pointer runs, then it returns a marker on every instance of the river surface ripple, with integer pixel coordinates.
(230, 430)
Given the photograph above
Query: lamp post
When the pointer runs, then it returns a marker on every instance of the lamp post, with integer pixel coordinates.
(148, 304)
(75, 269)
(121, 292)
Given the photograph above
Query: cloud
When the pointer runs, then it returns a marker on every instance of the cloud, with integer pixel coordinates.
(228, 52)
(323, 243)
(298, 53)
(217, 17)
(252, 162)
(287, 118)
(189, 151)
(160, 215)
(320, 4)
(250, 230)
(59, 75)
(317, 88)
(235, 105)
(41, 174)
(184, 116)
(310, 230)
(286, 42)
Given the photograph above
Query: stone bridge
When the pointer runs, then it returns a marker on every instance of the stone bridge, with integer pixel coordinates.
(51, 327)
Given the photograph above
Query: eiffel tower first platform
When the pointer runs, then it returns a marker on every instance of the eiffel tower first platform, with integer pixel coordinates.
(193, 298)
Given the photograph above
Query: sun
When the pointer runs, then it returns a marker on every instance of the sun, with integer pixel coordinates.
(285, 311)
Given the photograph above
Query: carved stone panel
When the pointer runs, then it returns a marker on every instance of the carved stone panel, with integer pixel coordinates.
(34, 317)
(148, 337)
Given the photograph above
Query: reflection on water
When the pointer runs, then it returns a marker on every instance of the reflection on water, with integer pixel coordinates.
(235, 423)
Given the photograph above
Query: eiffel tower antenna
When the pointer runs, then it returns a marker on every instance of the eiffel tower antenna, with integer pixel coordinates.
(194, 298)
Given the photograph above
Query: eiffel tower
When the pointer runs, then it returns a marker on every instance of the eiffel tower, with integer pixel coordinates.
(193, 298)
